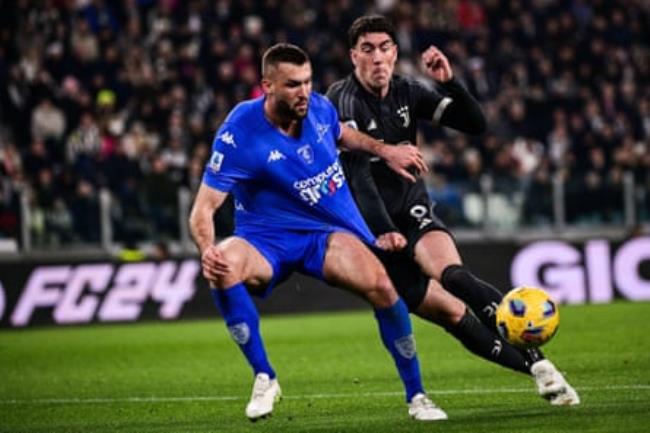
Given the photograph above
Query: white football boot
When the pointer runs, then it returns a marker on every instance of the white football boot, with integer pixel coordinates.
(552, 386)
(266, 392)
(421, 408)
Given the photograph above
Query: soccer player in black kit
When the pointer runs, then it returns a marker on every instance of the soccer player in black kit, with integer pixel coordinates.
(424, 264)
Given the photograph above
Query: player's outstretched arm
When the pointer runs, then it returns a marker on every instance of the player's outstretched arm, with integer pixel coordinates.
(208, 200)
(463, 113)
(399, 158)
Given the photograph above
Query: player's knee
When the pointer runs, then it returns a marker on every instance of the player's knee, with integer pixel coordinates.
(222, 282)
(456, 278)
(454, 312)
(441, 308)
(234, 274)
(383, 294)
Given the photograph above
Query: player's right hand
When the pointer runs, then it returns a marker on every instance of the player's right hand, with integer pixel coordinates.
(437, 65)
(213, 263)
(391, 241)
(402, 157)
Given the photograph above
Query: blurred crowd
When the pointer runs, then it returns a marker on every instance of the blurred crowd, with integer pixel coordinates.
(125, 95)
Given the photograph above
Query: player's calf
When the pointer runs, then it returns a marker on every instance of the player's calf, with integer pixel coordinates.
(481, 297)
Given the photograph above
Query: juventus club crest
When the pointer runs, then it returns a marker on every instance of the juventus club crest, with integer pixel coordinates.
(403, 112)
(307, 153)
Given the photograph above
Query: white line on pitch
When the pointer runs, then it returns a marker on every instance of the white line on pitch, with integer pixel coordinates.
(298, 397)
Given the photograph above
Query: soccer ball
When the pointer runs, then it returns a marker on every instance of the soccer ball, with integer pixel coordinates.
(527, 317)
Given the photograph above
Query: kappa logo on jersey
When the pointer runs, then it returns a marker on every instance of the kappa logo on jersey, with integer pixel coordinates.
(215, 161)
(372, 125)
(403, 112)
(240, 333)
(307, 153)
(228, 138)
(321, 130)
(406, 346)
(327, 182)
(239, 206)
(275, 155)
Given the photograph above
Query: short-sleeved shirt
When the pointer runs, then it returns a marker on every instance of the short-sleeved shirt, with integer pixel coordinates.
(281, 182)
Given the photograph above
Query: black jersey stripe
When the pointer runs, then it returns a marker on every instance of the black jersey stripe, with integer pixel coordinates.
(347, 101)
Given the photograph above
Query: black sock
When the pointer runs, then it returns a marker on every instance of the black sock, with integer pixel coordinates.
(479, 340)
(482, 297)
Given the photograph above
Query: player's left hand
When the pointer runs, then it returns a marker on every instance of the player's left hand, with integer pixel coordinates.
(402, 157)
(437, 65)
(391, 241)
(214, 264)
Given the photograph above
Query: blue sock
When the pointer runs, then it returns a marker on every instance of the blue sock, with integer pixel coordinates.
(397, 335)
(243, 323)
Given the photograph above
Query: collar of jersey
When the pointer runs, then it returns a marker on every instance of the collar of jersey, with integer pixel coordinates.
(371, 95)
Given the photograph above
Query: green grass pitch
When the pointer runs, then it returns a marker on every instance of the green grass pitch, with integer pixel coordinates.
(336, 377)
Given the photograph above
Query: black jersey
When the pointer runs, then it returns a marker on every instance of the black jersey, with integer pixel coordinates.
(403, 205)
(392, 119)
(387, 201)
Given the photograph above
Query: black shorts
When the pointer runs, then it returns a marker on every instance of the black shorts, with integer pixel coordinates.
(409, 281)
(414, 216)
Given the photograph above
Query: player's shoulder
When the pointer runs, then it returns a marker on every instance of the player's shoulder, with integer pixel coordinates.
(320, 101)
(240, 127)
(334, 90)
(321, 108)
(341, 88)
(246, 114)
(410, 89)
(405, 82)
(346, 95)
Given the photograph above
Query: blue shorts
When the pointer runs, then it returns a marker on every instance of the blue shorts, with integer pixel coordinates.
(288, 251)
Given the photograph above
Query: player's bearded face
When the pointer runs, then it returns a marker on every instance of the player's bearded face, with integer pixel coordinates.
(292, 86)
(374, 58)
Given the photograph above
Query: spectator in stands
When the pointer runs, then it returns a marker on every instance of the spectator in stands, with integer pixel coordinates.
(162, 199)
(172, 71)
(48, 122)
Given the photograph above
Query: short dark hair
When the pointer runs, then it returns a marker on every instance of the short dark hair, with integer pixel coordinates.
(370, 24)
(283, 53)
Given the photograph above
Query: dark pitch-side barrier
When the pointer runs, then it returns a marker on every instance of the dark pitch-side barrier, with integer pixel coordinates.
(74, 291)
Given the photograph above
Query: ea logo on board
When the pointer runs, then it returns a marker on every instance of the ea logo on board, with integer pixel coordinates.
(2, 301)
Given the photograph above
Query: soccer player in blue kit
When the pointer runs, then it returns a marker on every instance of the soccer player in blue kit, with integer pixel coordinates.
(277, 155)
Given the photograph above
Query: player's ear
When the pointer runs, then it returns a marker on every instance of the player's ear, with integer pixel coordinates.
(267, 86)
(353, 56)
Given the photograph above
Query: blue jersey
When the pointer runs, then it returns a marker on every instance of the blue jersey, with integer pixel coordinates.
(282, 182)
